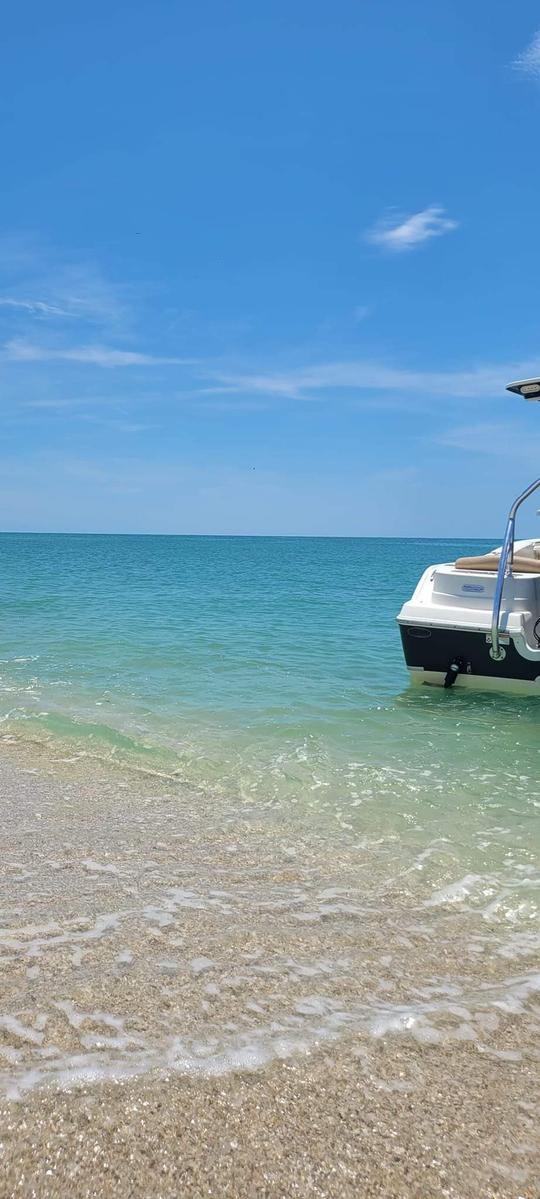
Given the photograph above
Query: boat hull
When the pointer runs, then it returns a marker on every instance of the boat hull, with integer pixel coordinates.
(430, 650)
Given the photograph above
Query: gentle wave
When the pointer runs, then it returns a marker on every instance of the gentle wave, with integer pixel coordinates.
(312, 849)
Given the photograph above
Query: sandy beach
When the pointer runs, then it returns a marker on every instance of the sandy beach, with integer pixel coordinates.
(319, 1126)
(195, 1003)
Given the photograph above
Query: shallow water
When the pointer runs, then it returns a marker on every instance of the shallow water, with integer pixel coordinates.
(272, 840)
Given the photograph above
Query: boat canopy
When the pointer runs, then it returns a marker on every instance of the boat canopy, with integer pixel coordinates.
(528, 388)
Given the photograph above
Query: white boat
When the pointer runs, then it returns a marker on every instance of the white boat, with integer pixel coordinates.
(476, 622)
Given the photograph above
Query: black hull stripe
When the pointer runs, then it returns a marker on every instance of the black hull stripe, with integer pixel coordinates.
(435, 649)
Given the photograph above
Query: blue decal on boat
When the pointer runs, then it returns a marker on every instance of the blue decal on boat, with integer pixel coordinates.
(473, 587)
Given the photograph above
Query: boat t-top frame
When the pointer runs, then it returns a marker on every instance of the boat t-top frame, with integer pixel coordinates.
(530, 390)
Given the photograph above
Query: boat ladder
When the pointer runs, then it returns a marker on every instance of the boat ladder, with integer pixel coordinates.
(497, 652)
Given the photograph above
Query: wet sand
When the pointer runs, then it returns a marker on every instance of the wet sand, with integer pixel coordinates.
(211, 1003)
(316, 1126)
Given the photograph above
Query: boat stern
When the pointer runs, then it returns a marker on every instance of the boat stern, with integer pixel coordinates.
(446, 630)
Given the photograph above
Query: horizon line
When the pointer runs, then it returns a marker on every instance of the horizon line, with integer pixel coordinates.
(250, 536)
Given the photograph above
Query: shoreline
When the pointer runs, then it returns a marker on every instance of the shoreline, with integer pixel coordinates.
(136, 922)
(319, 1126)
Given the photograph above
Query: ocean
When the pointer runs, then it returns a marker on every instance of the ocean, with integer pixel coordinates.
(270, 666)
(278, 837)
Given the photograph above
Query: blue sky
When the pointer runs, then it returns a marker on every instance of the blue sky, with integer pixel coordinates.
(266, 269)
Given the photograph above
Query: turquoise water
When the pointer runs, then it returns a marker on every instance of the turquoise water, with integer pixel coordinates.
(270, 666)
(346, 853)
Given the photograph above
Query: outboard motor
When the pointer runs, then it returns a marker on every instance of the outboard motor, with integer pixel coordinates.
(454, 668)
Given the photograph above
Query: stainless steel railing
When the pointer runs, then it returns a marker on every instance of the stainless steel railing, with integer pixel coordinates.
(505, 569)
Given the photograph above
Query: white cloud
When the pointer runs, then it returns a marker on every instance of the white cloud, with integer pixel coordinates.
(400, 235)
(33, 307)
(66, 287)
(489, 437)
(511, 442)
(358, 375)
(26, 351)
(529, 59)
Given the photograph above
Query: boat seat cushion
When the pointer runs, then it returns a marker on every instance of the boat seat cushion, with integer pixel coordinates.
(527, 566)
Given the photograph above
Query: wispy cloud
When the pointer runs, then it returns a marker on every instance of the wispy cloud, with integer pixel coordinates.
(33, 307)
(488, 437)
(91, 355)
(40, 282)
(502, 439)
(529, 59)
(305, 382)
(61, 404)
(398, 235)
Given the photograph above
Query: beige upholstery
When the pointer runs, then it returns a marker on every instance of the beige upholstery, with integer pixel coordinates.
(526, 566)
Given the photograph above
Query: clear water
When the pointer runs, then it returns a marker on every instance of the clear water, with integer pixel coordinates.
(265, 667)
(265, 677)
